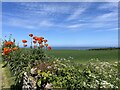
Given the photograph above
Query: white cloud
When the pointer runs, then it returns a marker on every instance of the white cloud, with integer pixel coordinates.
(109, 6)
(27, 23)
(45, 9)
(36, 15)
(110, 29)
(112, 16)
(76, 14)
(79, 11)
(19, 23)
(75, 26)
(106, 20)
(46, 23)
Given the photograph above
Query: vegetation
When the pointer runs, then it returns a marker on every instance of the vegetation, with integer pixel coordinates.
(110, 48)
(83, 56)
(45, 69)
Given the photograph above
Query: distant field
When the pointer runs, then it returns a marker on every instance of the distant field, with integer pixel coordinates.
(85, 55)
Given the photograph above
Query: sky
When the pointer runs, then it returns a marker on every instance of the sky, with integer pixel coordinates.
(62, 23)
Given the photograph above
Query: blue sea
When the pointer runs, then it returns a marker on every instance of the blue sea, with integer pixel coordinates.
(75, 48)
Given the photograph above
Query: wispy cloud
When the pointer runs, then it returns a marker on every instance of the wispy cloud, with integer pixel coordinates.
(108, 30)
(79, 11)
(76, 14)
(112, 6)
(73, 26)
(62, 15)
(28, 24)
(16, 22)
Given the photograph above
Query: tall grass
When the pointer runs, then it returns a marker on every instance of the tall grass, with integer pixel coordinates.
(85, 55)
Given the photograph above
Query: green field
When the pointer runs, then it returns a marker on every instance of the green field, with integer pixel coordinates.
(85, 55)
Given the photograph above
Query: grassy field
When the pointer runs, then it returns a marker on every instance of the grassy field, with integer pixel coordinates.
(83, 56)
(6, 80)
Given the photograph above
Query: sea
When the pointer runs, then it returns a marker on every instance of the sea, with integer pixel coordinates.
(76, 48)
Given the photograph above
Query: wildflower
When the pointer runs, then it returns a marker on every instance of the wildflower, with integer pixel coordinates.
(35, 38)
(34, 42)
(49, 86)
(6, 51)
(49, 67)
(11, 43)
(45, 41)
(46, 45)
(42, 37)
(40, 42)
(24, 41)
(39, 39)
(25, 45)
(31, 35)
(8, 43)
(15, 48)
(49, 48)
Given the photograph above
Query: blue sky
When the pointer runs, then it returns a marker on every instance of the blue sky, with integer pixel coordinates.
(63, 24)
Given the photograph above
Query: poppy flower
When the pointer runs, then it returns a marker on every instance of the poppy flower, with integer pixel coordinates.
(15, 48)
(11, 43)
(35, 38)
(8, 43)
(24, 41)
(46, 45)
(42, 37)
(31, 35)
(49, 47)
(34, 42)
(39, 39)
(6, 51)
(45, 41)
(25, 45)
(40, 42)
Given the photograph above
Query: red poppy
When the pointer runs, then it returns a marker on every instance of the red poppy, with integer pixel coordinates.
(8, 43)
(39, 39)
(6, 51)
(40, 42)
(24, 41)
(34, 42)
(11, 43)
(46, 45)
(25, 45)
(15, 48)
(35, 38)
(31, 35)
(49, 47)
(45, 41)
(42, 37)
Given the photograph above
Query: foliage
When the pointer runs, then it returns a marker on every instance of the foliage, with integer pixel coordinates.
(21, 60)
(57, 72)
(65, 74)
